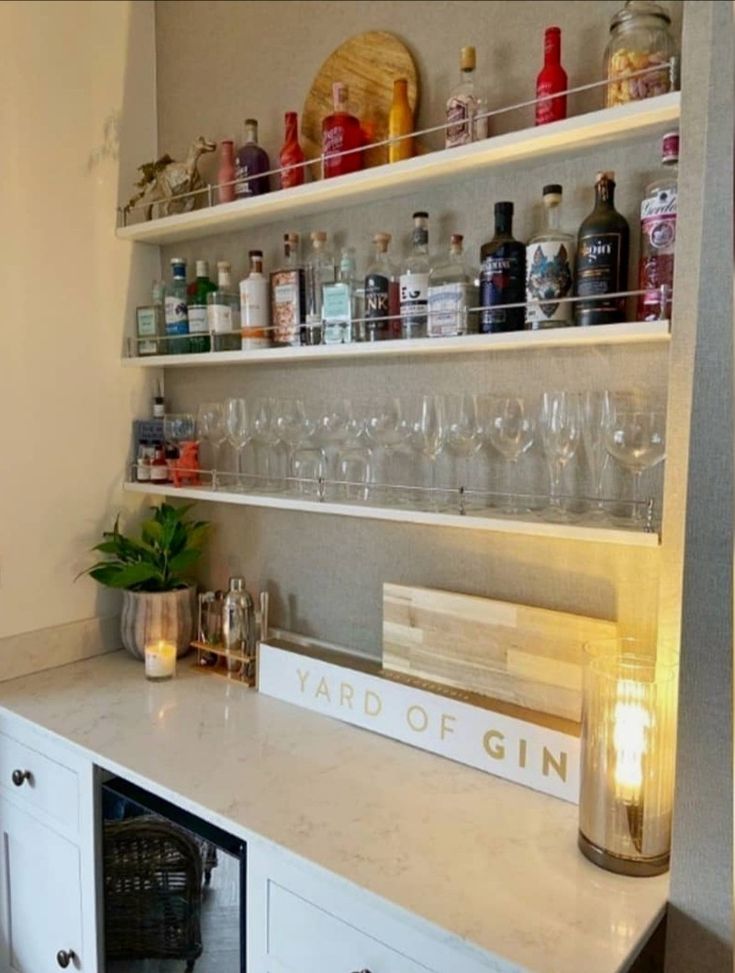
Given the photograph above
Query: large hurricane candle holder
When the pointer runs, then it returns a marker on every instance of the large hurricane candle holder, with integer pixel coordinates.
(627, 758)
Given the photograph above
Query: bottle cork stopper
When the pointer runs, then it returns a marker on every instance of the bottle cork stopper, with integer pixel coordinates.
(609, 175)
(456, 239)
(467, 59)
(319, 235)
(382, 240)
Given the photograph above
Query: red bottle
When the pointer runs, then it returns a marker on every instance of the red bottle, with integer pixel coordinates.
(226, 174)
(552, 78)
(291, 154)
(340, 132)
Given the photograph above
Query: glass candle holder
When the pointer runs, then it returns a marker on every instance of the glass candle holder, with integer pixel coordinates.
(627, 773)
(160, 660)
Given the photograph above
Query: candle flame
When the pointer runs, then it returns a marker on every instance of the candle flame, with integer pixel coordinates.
(632, 721)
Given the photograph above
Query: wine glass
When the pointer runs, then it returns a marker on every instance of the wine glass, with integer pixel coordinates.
(561, 432)
(293, 425)
(265, 435)
(635, 435)
(386, 429)
(461, 433)
(211, 427)
(595, 406)
(426, 426)
(509, 428)
(239, 431)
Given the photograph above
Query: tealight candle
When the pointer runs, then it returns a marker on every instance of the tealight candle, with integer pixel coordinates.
(160, 660)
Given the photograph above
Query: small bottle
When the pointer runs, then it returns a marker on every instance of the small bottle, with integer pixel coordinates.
(451, 294)
(291, 156)
(198, 292)
(602, 258)
(338, 308)
(143, 463)
(551, 79)
(549, 263)
(159, 404)
(502, 276)
(255, 305)
(465, 104)
(288, 298)
(319, 272)
(176, 309)
(414, 281)
(381, 301)
(658, 235)
(341, 132)
(251, 161)
(226, 172)
(400, 122)
(223, 311)
(238, 623)
(150, 323)
(159, 466)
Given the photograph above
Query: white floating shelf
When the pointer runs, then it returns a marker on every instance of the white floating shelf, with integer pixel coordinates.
(532, 527)
(447, 165)
(633, 332)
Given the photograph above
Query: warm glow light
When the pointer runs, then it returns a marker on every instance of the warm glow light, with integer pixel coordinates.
(160, 659)
(631, 725)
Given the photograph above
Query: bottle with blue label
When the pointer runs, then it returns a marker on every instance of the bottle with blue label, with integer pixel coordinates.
(176, 310)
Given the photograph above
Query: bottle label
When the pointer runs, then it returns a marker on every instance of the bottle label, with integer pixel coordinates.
(286, 289)
(377, 305)
(553, 109)
(336, 303)
(658, 221)
(143, 471)
(413, 299)
(177, 320)
(658, 241)
(198, 319)
(242, 185)
(502, 281)
(548, 276)
(460, 112)
(447, 306)
(220, 318)
(598, 267)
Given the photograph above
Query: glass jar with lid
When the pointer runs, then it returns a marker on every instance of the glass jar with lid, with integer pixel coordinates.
(640, 38)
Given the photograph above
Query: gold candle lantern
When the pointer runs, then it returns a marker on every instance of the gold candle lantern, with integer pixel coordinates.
(627, 774)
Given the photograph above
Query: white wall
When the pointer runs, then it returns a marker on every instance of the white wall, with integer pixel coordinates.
(77, 80)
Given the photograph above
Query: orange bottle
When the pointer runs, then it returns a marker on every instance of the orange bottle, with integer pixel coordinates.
(400, 122)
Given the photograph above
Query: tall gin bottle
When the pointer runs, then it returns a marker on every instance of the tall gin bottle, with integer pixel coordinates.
(255, 305)
(465, 104)
(318, 273)
(549, 263)
(176, 309)
(338, 305)
(198, 316)
(451, 294)
(288, 295)
(502, 276)
(414, 281)
(223, 311)
(602, 258)
(381, 294)
(658, 235)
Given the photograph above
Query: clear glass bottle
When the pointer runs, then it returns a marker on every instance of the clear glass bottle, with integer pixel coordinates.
(602, 258)
(549, 268)
(502, 276)
(176, 309)
(318, 273)
(640, 38)
(255, 305)
(288, 297)
(381, 306)
(658, 234)
(338, 308)
(414, 281)
(252, 160)
(451, 293)
(150, 323)
(464, 104)
(223, 311)
(198, 292)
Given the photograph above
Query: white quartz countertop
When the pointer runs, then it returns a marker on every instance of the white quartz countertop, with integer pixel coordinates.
(488, 861)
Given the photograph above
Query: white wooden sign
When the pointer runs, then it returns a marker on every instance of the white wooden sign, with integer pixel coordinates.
(535, 756)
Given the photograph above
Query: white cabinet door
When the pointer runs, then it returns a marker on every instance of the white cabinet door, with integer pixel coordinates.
(40, 895)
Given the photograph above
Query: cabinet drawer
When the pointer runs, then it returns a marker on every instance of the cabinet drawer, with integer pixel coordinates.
(49, 789)
(303, 937)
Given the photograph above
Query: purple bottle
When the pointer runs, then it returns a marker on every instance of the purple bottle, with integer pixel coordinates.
(251, 160)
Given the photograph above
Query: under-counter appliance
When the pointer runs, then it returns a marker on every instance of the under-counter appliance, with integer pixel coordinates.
(173, 885)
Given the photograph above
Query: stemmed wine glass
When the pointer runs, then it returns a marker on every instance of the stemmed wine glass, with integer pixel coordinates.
(387, 430)
(461, 433)
(595, 407)
(211, 427)
(239, 432)
(508, 427)
(265, 435)
(561, 431)
(293, 425)
(635, 432)
(426, 426)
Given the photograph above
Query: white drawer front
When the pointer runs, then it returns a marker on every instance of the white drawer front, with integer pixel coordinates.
(47, 787)
(303, 938)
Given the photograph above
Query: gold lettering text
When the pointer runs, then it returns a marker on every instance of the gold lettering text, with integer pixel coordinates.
(445, 727)
(522, 753)
(493, 749)
(372, 703)
(560, 765)
(346, 693)
(322, 690)
(303, 676)
(417, 718)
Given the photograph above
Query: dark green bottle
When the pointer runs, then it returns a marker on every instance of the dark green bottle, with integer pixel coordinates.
(602, 258)
(198, 322)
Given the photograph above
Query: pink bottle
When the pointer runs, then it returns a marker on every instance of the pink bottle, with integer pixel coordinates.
(226, 173)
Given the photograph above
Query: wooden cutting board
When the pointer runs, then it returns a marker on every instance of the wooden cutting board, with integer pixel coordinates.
(531, 657)
(368, 63)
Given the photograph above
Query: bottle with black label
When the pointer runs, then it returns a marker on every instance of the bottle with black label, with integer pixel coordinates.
(381, 295)
(602, 258)
(502, 276)
(414, 281)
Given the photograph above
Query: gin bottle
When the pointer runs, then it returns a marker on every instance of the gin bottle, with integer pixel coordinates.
(338, 308)
(288, 304)
(198, 317)
(255, 305)
(658, 235)
(381, 294)
(549, 263)
(176, 309)
(502, 276)
(318, 273)
(451, 293)
(414, 281)
(223, 311)
(465, 104)
(602, 258)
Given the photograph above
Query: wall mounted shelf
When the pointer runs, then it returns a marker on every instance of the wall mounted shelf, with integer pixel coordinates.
(532, 526)
(434, 168)
(633, 332)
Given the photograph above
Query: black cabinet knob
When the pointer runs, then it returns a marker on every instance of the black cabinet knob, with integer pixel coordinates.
(20, 777)
(64, 957)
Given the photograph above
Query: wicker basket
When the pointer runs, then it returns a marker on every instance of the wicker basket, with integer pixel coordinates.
(153, 891)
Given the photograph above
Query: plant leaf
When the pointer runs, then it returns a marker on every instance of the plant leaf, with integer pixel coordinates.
(183, 561)
(133, 574)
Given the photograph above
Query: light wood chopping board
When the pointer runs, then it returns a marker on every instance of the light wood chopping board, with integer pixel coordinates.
(531, 657)
(369, 64)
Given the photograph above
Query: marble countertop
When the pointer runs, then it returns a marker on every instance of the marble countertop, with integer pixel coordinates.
(488, 861)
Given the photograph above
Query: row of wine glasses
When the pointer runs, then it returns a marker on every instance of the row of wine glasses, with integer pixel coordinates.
(418, 450)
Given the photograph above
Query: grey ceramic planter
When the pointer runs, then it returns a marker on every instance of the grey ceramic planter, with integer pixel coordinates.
(148, 616)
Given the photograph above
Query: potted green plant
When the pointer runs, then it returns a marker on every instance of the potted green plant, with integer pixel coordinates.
(153, 573)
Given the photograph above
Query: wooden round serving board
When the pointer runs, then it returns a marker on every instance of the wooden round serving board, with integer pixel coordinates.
(369, 64)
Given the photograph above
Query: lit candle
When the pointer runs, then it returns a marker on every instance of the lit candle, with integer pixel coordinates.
(631, 726)
(160, 660)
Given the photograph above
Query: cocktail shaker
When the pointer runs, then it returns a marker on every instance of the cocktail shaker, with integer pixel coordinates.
(238, 623)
